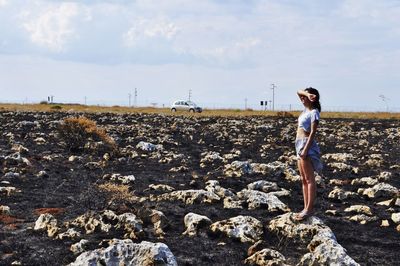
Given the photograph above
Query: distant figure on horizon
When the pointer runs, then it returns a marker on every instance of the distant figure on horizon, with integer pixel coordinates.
(307, 149)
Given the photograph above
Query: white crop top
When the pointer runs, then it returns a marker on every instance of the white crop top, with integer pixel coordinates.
(307, 118)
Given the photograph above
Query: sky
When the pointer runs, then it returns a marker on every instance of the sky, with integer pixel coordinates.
(224, 53)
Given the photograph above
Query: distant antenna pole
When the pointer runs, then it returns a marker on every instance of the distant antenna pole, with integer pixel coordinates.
(130, 96)
(273, 86)
(245, 103)
(135, 97)
(190, 94)
(384, 99)
(85, 100)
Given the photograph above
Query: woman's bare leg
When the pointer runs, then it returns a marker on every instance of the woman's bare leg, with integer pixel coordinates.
(303, 183)
(308, 170)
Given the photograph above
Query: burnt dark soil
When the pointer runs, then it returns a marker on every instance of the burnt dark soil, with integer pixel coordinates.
(69, 188)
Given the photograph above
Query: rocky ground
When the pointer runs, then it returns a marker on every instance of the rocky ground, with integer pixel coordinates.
(196, 191)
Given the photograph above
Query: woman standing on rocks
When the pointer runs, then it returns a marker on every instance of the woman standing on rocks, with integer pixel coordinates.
(307, 149)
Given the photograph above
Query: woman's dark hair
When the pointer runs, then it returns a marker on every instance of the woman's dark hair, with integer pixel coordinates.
(316, 104)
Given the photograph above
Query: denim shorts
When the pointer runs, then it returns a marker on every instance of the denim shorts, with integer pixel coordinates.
(314, 153)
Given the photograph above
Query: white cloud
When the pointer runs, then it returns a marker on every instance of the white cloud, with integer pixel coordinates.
(3, 3)
(52, 28)
(149, 29)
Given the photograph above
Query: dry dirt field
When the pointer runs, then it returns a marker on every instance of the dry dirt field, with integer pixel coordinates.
(208, 190)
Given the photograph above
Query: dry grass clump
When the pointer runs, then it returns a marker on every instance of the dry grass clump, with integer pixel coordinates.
(80, 133)
(117, 193)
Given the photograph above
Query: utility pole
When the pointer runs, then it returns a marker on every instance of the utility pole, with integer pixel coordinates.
(273, 86)
(130, 96)
(135, 97)
(85, 100)
(190, 94)
(245, 103)
(384, 99)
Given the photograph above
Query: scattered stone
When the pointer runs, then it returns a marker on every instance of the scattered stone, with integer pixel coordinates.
(233, 203)
(266, 257)
(71, 233)
(79, 247)
(244, 228)
(254, 248)
(339, 157)
(210, 158)
(385, 223)
(120, 178)
(264, 186)
(339, 194)
(190, 196)
(4, 210)
(193, 222)
(365, 181)
(47, 222)
(8, 191)
(149, 147)
(385, 176)
(257, 199)
(125, 252)
(385, 203)
(160, 223)
(381, 190)
(214, 187)
(323, 247)
(161, 187)
(132, 225)
(362, 218)
(396, 218)
(237, 169)
(360, 209)
(332, 212)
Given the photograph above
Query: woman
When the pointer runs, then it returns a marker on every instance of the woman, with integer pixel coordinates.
(307, 149)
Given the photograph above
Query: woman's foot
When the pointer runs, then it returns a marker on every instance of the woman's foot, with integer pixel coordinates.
(304, 214)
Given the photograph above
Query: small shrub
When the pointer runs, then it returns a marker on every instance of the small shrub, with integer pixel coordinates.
(43, 102)
(56, 107)
(78, 132)
(117, 193)
(284, 114)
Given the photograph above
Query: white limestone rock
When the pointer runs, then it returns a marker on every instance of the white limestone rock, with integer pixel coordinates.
(233, 203)
(149, 147)
(71, 233)
(359, 209)
(4, 210)
(339, 157)
(213, 186)
(8, 191)
(131, 224)
(47, 222)
(369, 181)
(264, 186)
(396, 217)
(125, 252)
(237, 169)
(257, 199)
(193, 222)
(160, 222)
(363, 219)
(322, 244)
(161, 187)
(381, 190)
(340, 194)
(190, 196)
(266, 257)
(244, 228)
(210, 158)
(79, 247)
